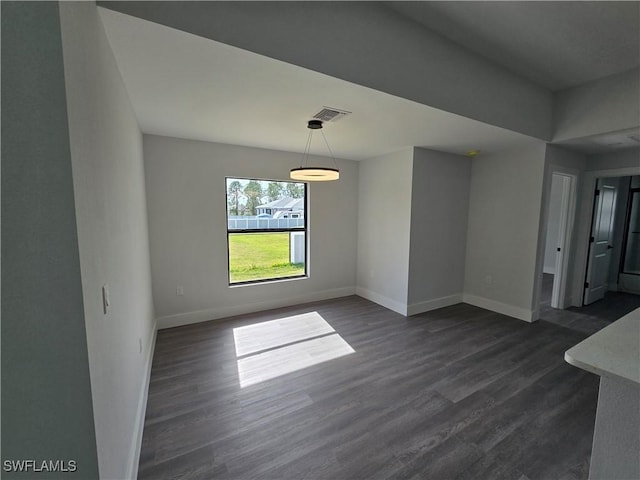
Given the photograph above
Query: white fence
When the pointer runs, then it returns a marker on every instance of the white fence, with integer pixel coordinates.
(253, 223)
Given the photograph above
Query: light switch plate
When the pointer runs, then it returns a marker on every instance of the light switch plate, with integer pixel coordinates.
(106, 302)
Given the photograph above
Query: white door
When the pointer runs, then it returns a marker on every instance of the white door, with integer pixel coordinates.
(601, 242)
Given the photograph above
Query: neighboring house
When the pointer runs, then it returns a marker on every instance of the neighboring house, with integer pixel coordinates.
(280, 208)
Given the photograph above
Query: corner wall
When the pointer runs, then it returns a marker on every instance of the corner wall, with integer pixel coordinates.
(502, 236)
(186, 198)
(439, 215)
(106, 155)
(384, 223)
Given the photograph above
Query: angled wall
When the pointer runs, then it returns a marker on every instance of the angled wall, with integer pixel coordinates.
(108, 176)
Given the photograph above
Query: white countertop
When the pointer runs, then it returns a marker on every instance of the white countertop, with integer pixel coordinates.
(613, 352)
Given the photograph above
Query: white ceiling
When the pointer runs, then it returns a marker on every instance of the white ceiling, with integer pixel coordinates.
(556, 44)
(187, 86)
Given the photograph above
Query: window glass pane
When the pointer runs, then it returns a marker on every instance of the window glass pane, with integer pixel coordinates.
(266, 229)
(266, 256)
(264, 204)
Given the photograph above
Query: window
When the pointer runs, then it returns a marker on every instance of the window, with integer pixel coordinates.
(266, 230)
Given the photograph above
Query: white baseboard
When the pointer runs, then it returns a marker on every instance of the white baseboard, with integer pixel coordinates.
(223, 312)
(428, 305)
(386, 302)
(170, 321)
(498, 307)
(136, 442)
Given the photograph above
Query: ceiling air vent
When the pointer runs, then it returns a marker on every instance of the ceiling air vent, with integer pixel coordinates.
(330, 114)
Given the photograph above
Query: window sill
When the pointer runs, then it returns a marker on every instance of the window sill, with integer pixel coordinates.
(271, 281)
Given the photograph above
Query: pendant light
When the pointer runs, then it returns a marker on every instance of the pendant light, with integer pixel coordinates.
(307, 173)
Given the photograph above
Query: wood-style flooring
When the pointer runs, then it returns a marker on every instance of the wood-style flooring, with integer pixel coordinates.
(456, 393)
(587, 319)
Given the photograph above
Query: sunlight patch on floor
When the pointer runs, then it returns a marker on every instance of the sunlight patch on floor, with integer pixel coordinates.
(270, 349)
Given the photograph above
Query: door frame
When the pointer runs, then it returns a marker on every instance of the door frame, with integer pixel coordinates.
(568, 220)
(583, 232)
(567, 217)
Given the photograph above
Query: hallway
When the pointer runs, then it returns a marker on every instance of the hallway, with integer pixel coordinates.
(590, 318)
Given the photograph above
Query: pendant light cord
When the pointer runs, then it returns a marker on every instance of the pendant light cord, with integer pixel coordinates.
(307, 149)
(329, 148)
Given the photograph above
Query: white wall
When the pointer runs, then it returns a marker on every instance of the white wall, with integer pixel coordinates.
(502, 236)
(186, 201)
(439, 214)
(613, 160)
(106, 153)
(357, 39)
(384, 218)
(610, 104)
(564, 161)
(46, 391)
(553, 225)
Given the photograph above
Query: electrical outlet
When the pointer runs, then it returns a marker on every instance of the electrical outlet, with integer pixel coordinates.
(180, 290)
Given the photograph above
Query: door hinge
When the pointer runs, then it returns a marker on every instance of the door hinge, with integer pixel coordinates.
(558, 249)
(592, 239)
(586, 284)
(597, 192)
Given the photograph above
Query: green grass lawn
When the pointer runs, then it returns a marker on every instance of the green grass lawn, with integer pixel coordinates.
(258, 256)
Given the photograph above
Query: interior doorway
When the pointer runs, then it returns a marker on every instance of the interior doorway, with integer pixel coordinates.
(613, 263)
(623, 283)
(557, 242)
(601, 242)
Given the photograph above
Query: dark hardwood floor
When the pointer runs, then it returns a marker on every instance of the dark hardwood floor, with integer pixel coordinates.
(457, 393)
(590, 318)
